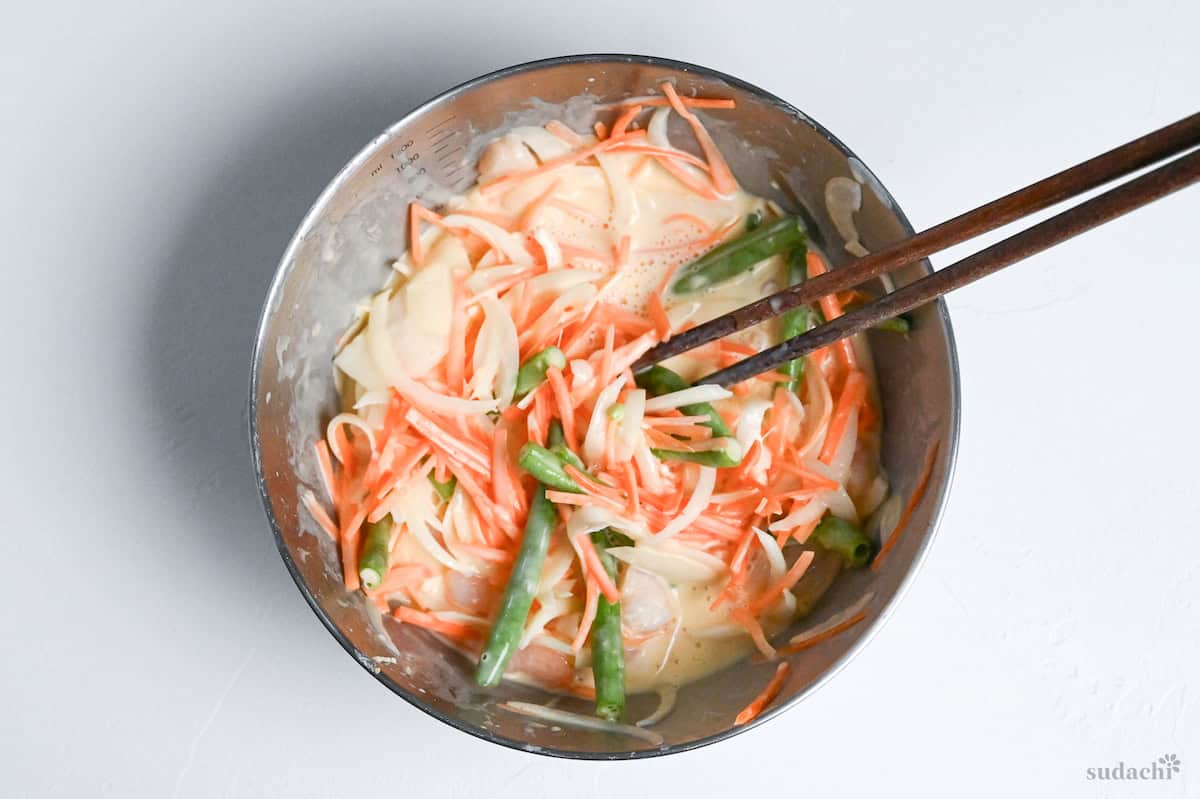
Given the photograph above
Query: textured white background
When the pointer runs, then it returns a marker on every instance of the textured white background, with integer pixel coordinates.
(155, 161)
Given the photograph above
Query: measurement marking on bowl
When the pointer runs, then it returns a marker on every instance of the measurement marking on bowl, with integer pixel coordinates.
(430, 131)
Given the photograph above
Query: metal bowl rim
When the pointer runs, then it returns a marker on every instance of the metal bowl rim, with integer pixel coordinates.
(287, 262)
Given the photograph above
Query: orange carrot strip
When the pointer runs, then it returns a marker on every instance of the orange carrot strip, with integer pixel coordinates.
(563, 132)
(326, 470)
(662, 152)
(691, 102)
(658, 315)
(623, 121)
(452, 629)
(631, 488)
(823, 636)
(747, 620)
(785, 582)
(913, 501)
(595, 569)
(400, 578)
(562, 399)
(722, 177)
(350, 532)
(591, 487)
(853, 393)
(589, 614)
(318, 513)
(697, 184)
(695, 220)
(460, 449)
(503, 488)
(601, 130)
(564, 160)
(583, 500)
(534, 208)
(760, 702)
(832, 308)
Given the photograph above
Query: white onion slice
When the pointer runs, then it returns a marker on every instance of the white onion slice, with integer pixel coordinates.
(666, 703)
(688, 396)
(677, 566)
(593, 440)
(581, 721)
(508, 243)
(695, 506)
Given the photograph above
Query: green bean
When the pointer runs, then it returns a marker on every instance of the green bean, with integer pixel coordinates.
(445, 490)
(816, 581)
(518, 594)
(753, 220)
(845, 539)
(798, 320)
(730, 454)
(897, 324)
(734, 257)
(373, 562)
(554, 436)
(565, 455)
(533, 372)
(547, 467)
(658, 380)
(608, 651)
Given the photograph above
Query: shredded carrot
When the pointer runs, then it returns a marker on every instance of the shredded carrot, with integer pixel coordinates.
(747, 619)
(663, 153)
(699, 185)
(351, 530)
(457, 447)
(693, 219)
(638, 167)
(564, 160)
(760, 702)
(584, 500)
(601, 131)
(722, 177)
(327, 477)
(625, 119)
(917, 494)
(529, 215)
(589, 614)
(319, 515)
(852, 396)
(789, 578)
(691, 102)
(631, 488)
(596, 570)
(562, 400)
(823, 636)
(658, 315)
(832, 309)
(563, 132)
(420, 618)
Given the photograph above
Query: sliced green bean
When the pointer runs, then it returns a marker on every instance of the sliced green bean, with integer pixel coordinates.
(729, 454)
(373, 562)
(845, 539)
(734, 257)
(445, 490)
(547, 467)
(659, 380)
(608, 651)
(505, 636)
(897, 324)
(533, 372)
(798, 320)
(554, 436)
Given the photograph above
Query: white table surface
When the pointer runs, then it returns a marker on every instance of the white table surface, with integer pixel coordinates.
(155, 160)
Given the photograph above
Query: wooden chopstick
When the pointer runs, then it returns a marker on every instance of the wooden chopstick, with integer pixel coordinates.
(1144, 189)
(1124, 160)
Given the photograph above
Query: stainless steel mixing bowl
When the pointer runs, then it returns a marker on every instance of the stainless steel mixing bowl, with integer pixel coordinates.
(340, 254)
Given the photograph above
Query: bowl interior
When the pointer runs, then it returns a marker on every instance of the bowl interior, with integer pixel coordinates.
(341, 254)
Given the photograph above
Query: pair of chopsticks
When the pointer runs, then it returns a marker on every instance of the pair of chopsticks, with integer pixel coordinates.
(1124, 160)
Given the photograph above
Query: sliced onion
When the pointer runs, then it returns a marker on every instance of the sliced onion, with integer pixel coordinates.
(676, 565)
(427, 399)
(631, 424)
(656, 128)
(748, 427)
(550, 248)
(835, 619)
(624, 203)
(581, 721)
(484, 277)
(805, 514)
(497, 356)
(695, 506)
(544, 144)
(510, 244)
(593, 441)
(666, 703)
(774, 554)
(353, 421)
(839, 465)
(356, 363)
(688, 396)
(843, 197)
